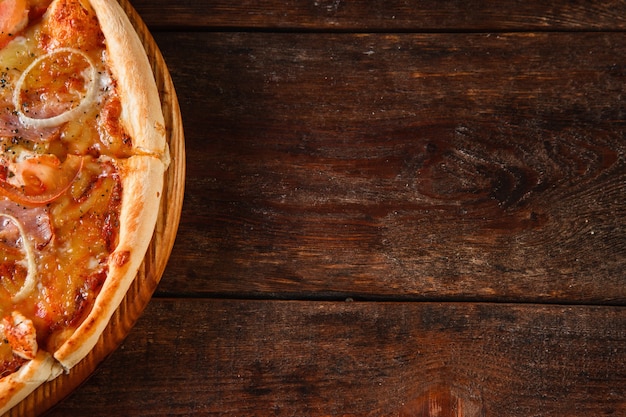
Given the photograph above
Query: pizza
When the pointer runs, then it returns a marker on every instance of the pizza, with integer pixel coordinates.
(83, 154)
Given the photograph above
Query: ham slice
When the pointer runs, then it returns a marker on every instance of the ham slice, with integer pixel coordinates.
(34, 220)
(12, 129)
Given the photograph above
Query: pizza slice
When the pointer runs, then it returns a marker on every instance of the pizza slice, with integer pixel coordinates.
(83, 153)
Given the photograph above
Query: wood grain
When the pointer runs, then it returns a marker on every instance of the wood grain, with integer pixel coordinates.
(392, 15)
(261, 358)
(388, 151)
(404, 166)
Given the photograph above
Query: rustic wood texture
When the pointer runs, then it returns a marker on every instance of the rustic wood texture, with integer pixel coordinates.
(482, 167)
(262, 358)
(464, 188)
(391, 15)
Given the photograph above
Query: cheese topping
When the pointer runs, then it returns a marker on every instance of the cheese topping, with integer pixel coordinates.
(61, 147)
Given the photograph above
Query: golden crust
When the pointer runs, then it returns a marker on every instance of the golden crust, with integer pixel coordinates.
(141, 107)
(142, 175)
(15, 387)
(142, 181)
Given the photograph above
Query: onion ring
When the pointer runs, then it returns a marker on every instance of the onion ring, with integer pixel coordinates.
(86, 101)
(29, 253)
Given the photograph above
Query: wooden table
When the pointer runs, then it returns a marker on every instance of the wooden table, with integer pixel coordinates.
(392, 208)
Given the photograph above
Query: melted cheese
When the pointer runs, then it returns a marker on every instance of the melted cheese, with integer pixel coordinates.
(71, 266)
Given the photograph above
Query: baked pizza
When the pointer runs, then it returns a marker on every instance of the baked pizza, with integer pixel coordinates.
(83, 154)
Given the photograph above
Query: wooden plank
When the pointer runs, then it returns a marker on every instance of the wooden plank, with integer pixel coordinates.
(448, 167)
(210, 357)
(391, 15)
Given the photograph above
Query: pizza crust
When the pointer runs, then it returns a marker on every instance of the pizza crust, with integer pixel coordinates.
(142, 182)
(15, 387)
(142, 177)
(141, 107)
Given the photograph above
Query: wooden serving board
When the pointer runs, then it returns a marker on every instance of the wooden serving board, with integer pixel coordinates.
(150, 272)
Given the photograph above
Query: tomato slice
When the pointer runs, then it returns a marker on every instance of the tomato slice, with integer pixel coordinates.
(43, 179)
(13, 18)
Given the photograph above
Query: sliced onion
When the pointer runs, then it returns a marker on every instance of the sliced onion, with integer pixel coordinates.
(86, 101)
(31, 277)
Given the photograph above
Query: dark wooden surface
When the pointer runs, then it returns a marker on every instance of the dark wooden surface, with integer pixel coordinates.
(392, 209)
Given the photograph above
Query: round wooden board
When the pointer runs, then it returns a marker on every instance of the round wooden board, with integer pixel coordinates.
(150, 272)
